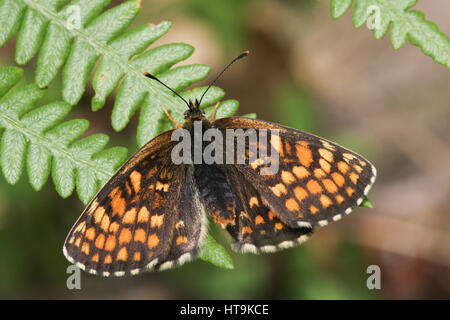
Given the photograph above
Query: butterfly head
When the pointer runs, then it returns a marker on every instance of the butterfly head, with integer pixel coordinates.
(194, 112)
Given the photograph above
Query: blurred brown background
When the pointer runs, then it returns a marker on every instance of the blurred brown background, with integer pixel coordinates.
(310, 72)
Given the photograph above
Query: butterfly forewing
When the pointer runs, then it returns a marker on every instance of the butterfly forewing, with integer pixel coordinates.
(140, 219)
(317, 181)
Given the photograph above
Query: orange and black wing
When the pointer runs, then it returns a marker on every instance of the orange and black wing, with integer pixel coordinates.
(141, 219)
(316, 181)
(257, 228)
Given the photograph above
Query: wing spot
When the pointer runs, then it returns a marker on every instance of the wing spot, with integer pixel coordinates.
(139, 235)
(287, 177)
(271, 215)
(343, 167)
(247, 230)
(113, 192)
(85, 248)
(98, 215)
(96, 258)
(314, 187)
(259, 220)
(135, 178)
(118, 204)
(143, 215)
(110, 243)
(350, 191)
(300, 172)
(181, 240)
(327, 155)
(339, 199)
(292, 205)
(358, 168)
(153, 241)
(329, 185)
(278, 226)
(125, 236)
(276, 143)
(304, 154)
(78, 242)
(253, 202)
(326, 166)
(319, 173)
(338, 179)
(127, 187)
(108, 259)
(313, 209)
(105, 223)
(122, 254)
(93, 206)
(327, 145)
(81, 227)
(137, 256)
(256, 163)
(90, 233)
(114, 227)
(100, 241)
(179, 224)
(129, 216)
(162, 186)
(349, 156)
(325, 201)
(157, 221)
(354, 177)
(279, 189)
(300, 193)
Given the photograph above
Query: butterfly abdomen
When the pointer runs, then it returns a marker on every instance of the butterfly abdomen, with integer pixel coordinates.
(216, 193)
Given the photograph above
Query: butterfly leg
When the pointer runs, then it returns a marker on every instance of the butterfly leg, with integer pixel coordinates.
(170, 117)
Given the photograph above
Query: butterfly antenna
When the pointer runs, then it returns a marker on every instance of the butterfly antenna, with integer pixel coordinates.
(242, 55)
(148, 75)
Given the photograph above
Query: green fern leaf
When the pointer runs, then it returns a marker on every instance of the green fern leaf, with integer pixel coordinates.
(36, 139)
(406, 25)
(214, 253)
(123, 54)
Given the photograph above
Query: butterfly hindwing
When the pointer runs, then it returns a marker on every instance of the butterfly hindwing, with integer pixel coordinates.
(317, 181)
(257, 227)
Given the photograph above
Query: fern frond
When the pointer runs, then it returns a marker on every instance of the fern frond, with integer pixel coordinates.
(406, 25)
(43, 26)
(36, 139)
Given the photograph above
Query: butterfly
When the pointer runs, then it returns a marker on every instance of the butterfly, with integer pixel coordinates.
(153, 213)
